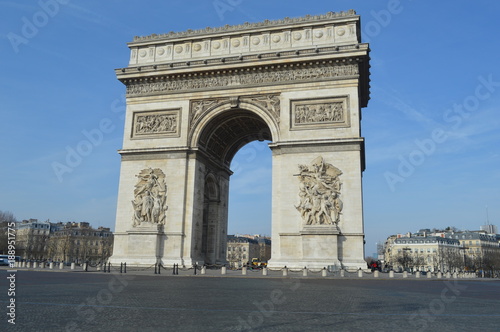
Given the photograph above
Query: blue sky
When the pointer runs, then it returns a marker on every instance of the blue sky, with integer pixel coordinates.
(431, 126)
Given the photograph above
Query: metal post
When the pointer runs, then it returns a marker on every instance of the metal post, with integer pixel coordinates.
(173, 270)
(155, 267)
(195, 268)
(109, 267)
(159, 268)
(121, 267)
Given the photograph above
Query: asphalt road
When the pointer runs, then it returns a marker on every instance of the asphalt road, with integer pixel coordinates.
(77, 301)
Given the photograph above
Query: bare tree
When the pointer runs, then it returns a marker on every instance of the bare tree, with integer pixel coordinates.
(5, 219)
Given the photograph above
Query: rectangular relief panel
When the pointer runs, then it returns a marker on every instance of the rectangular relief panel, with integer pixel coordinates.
(156, 124)
(319, 113)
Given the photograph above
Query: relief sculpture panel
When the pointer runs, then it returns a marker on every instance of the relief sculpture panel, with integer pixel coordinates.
(157, 123)
(150, 197)
(310, 114)
(319, 192)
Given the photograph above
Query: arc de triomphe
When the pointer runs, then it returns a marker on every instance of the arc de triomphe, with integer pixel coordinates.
(194, 98)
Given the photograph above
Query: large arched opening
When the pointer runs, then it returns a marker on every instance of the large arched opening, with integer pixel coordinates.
(219, 139)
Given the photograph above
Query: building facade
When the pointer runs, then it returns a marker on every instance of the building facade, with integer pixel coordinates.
(79, 242)
(31, 238)
(241, 250)
(63, 242)
(447, 250)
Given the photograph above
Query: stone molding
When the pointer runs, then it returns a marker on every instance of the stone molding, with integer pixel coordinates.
(237, 78)
(248, 26)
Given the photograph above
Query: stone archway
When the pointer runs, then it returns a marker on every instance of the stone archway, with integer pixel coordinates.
(195, 98)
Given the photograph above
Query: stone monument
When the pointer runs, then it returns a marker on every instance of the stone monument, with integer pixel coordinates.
(194, 98)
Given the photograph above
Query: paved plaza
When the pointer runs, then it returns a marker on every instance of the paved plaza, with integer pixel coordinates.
(142, 301)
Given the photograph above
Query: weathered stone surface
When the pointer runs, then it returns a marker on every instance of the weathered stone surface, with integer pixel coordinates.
(195, 98)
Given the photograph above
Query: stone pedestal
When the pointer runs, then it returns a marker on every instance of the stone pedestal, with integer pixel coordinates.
(140, 246)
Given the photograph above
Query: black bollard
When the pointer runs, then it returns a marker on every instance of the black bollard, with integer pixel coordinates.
(195, 268)
(125, 267)
(159, 268)
(155, 267)
(173, 270)
(109, 267)
(121, 267)
(176, 269)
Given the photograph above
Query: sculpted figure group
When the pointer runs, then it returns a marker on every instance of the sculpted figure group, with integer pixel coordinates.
(331, 112)
(150, 197)
(155, 124)
(319, 193)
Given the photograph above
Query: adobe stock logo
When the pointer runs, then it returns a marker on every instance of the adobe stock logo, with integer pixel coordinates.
(31, 27)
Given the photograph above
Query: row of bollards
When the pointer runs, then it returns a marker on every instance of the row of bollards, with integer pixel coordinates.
(106, 267)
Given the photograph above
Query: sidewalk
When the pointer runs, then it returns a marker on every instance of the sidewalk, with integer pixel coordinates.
(249, 273)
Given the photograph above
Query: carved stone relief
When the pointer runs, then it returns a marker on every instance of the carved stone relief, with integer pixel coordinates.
(157, 123)
(331, 112)
(242, 78)
(198, 107)
(319, 193)
(150, 197)
(268, 102)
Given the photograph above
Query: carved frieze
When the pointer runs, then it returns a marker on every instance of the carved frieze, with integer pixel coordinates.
(314, 113)
(199, 107)
(156, 124)
(150, 197)
(267, 102)
(242, 77)
(319, 192)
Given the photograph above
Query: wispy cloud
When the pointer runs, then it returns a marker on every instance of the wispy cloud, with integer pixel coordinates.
(252, 181)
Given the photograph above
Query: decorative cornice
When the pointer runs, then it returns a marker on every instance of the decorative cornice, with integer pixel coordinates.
(237, 78)
(246, 26)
